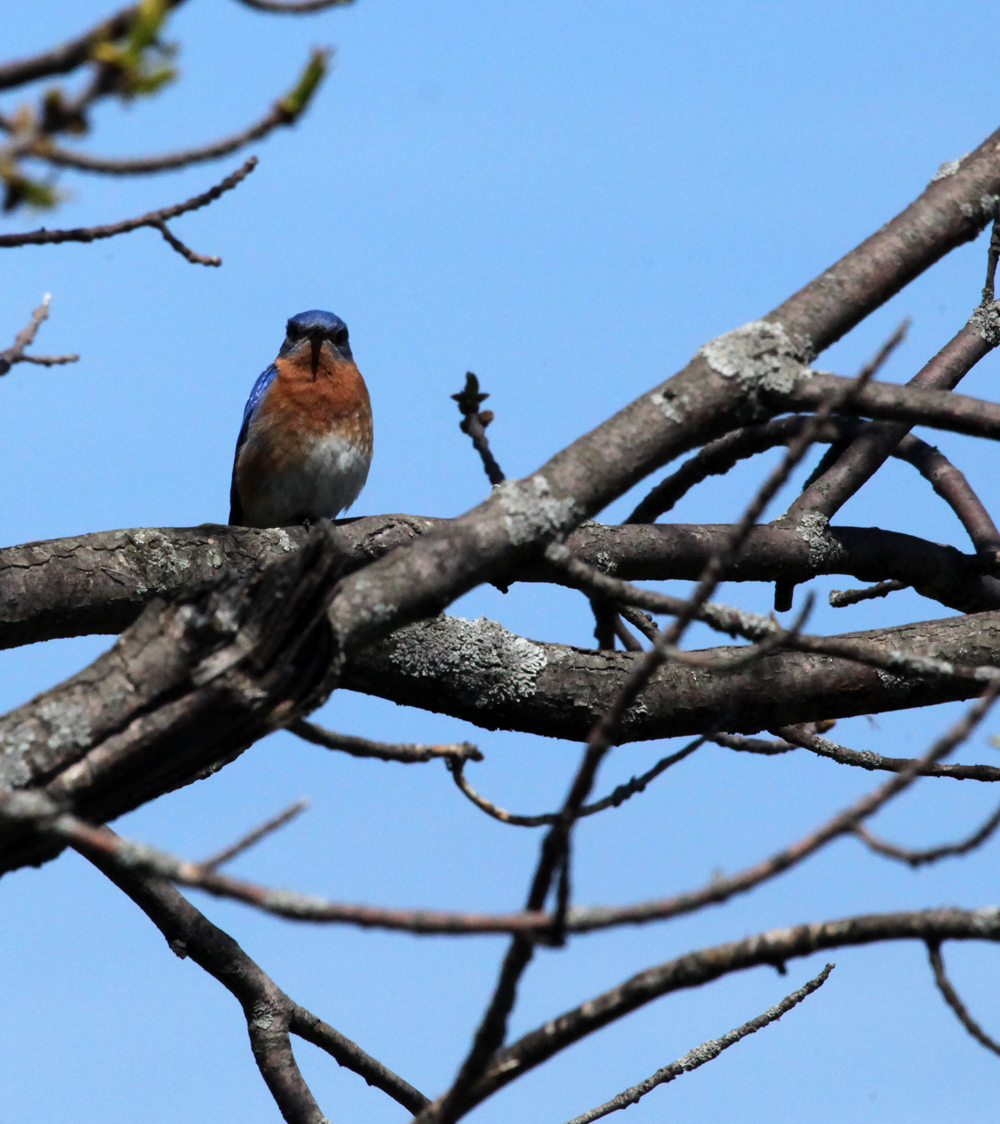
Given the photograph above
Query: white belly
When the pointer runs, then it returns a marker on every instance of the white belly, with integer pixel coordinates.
(325, 482)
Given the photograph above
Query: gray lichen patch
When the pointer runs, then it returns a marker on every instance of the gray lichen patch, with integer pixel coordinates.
(761, 355)
(986, 320)
(532, 512)
(495, 666)
(948, 168)
(824, 550)
(152, 554)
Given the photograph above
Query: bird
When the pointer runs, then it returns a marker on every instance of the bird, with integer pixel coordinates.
(305, 445)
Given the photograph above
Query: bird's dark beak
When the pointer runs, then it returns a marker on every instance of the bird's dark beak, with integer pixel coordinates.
(316, 343)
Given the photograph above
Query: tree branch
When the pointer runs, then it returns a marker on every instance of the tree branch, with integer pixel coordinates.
(271, 1015)
(706, 1052)
(185, 690)
(772, 948)
(286, 111)
(155, 219)
(383, 751)
(952, 998)
(26, 337)
(932, 854)
(100, 583)
(622, 793)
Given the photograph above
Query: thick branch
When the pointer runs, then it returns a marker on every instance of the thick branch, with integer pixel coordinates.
(184, 690)
(100, 583)
(480, 672)
(715, 393)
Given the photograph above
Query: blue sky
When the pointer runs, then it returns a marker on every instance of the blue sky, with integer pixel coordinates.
(568, 199)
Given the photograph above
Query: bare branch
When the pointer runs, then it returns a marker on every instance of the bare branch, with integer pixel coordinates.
(932, 854)
(207, 676)
(101, 582)
(771, 948)
(706, 1052)
(474, 423)
(752, 745)
(737, 622)
(952, 998)
(856, 464)
(271, 1015)
(384, 751)
(992, 257)
(823, 747)
(616, 798)
(841, 598)
(155, 219)
(255, 836)
(26, 337)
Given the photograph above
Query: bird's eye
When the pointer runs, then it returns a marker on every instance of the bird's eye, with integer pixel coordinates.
(340, 337)
(293, 330)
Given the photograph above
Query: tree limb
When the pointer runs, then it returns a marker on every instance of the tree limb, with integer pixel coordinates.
(155, 219)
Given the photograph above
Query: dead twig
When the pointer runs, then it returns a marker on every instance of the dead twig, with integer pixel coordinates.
(155, 219)
(384, 751)
(841, 598)
(952, 998)
(271, 1015)
(26, 337)
(932, 854)
(706, 1052)
(622, 793)
(255, 836)
(798, 736)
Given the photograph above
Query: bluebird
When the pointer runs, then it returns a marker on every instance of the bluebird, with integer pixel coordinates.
(306, 442)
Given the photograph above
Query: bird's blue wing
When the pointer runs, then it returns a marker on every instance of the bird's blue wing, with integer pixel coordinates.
(260, 388)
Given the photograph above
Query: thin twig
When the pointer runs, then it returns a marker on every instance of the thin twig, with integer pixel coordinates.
(154, 219)
(752, 745)
(255, 836)
(616, 798)
(841, 598)
(285, 111)
(26, 337)
(797, 736)
(384, 751)
(706, 1052)
(951, 997)
(474, 423)
(932, 854)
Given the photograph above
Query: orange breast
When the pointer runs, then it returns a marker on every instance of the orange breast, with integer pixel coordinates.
(302, 408)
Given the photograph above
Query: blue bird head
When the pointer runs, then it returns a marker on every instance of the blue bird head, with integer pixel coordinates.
(311, 331)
